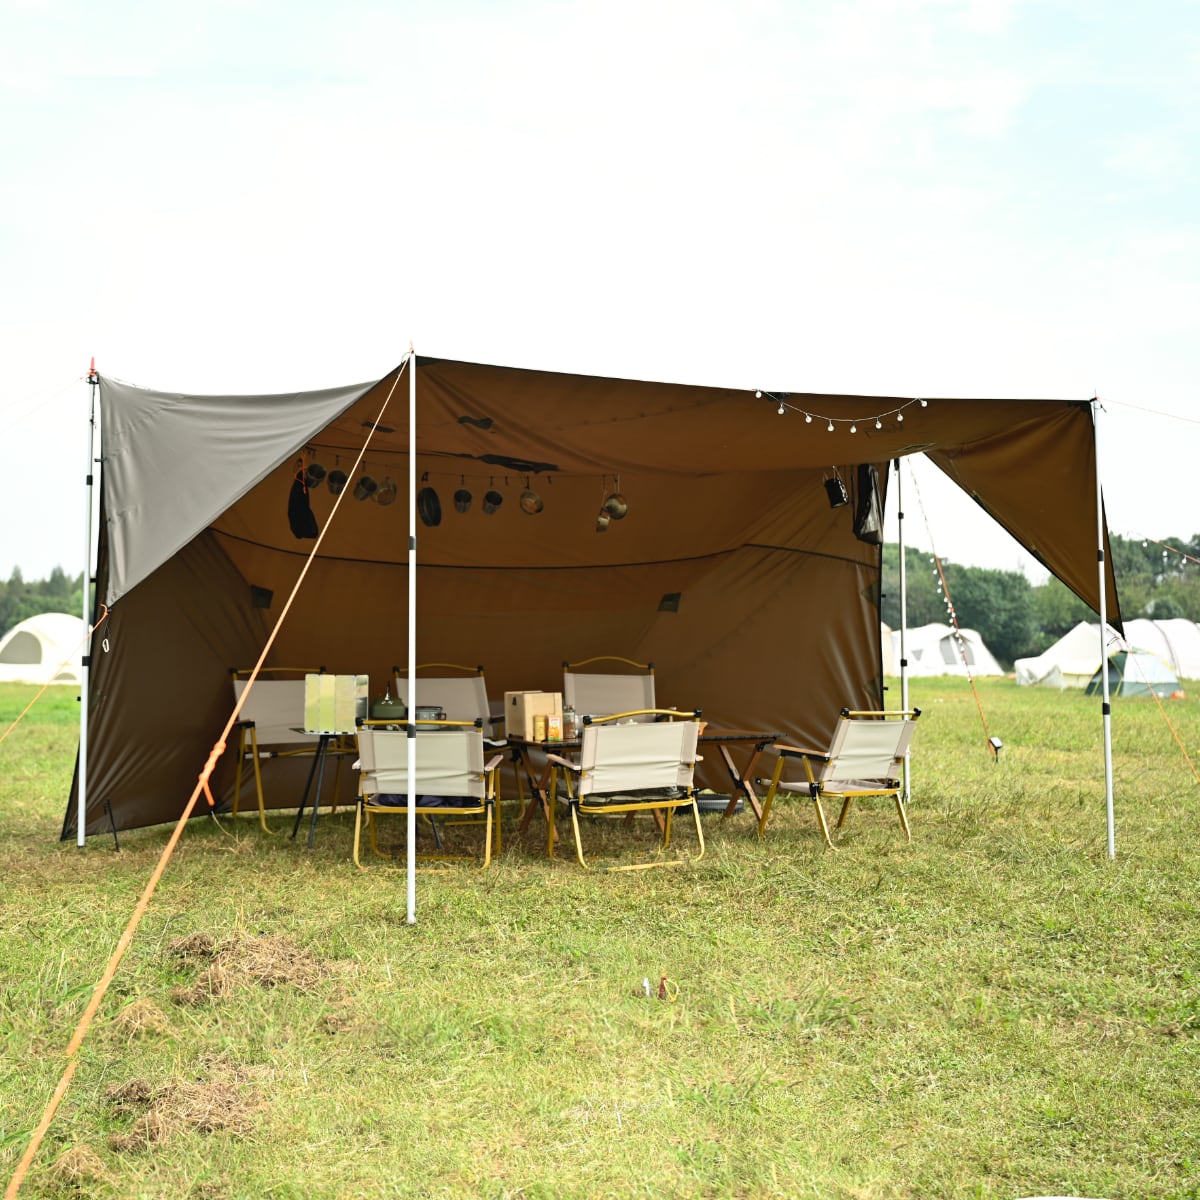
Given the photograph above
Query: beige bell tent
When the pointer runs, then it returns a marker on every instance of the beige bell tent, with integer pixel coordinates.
(755, 599)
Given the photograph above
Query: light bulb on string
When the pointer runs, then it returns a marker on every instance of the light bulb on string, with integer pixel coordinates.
(781, 408)
(830, 429)
(878, 423)
(899, 416)
(924, 403)
(853, 427)
(808, 418)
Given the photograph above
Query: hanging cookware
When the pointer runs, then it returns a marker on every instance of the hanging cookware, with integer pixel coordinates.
(462, 500)
(314, 474)
(386, 494)
(615, 505)
(429, 507)
(602, 520)
(531, 502)
(336, 480)
(365, 488)
(492, 501)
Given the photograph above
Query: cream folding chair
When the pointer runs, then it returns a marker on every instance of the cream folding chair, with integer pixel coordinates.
(865, 758)
(454, 783)
(271, 725)
(602, 693)
(631, 762)
(462, 696)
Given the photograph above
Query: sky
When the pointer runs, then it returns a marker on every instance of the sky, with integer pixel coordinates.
(883, 197)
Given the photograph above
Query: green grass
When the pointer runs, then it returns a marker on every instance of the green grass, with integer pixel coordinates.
(996, 1010)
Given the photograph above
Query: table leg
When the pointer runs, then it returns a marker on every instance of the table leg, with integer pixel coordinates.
(743, 784)
(307, 788)
(322, 752)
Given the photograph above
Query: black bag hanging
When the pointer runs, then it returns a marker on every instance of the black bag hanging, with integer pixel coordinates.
(868, 511)
(300, 513)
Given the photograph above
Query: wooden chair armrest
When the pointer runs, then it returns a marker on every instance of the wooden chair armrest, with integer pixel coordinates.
(563, 762)
(493, 762)
(799, 752)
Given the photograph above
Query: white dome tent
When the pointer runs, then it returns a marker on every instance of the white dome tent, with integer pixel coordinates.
(46, 648)
(939, 650)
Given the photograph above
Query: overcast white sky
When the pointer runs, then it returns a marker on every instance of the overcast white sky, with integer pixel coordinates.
(904, 197)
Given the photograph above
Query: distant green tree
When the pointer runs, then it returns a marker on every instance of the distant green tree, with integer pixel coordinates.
(925, 602)
(999, 605)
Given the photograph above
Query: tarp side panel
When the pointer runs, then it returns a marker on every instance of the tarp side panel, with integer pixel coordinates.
(1038, 480)
(160, 695)
(173, 463)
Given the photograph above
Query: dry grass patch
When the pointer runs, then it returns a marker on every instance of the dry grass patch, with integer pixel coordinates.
(225, 1102)
(79, 1168)
(269, 961)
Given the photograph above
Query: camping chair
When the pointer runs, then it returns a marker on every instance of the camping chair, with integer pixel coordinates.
(463, 697)
(600, 694)
(631, 762)
(273, 716)
(453, 780)
(865, 758)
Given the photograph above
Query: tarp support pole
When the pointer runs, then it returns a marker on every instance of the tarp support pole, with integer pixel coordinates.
(903, 619)
(411, 865)
(1106, 708)
(85, 666)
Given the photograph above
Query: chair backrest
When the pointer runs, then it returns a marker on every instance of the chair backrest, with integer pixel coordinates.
(449, 762)
(276, 706)
(617, 758)
(462, 697)
(600, 694)
(869, 748)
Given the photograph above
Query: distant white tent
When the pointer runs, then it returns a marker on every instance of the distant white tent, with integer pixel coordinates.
(939, 650)
(1076, 656)
(891, 664)
(1175, 641)
(47, 648)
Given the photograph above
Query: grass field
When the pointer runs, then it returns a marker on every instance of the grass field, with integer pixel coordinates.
(996, 1010)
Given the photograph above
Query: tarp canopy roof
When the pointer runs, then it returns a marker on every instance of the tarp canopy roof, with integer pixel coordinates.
(731, 572)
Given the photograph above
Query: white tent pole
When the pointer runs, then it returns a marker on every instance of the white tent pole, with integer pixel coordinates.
(85, 666)
(412, 637)
(903, 619)
(1106, 705)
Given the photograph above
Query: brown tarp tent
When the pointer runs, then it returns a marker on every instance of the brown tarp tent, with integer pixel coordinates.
(731, 572)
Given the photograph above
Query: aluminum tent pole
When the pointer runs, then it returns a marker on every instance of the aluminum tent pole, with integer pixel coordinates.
(1106, 705)
(411, 723)
(81, 814)
(903, 618)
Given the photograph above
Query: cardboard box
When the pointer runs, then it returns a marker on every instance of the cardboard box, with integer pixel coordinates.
(520, 708)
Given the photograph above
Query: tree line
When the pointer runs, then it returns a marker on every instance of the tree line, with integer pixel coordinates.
(21, 598)
(1017, 619)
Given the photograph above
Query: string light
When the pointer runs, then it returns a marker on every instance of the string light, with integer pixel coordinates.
(831, 423)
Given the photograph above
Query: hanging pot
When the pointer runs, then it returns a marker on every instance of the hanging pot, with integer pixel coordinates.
(314, 474)
(492, 501)
(462, 500)
(531, 502)
(602, 520)
(365, 488)
(386, 494)
(429, 507)
(615, 505)
(336, 480)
